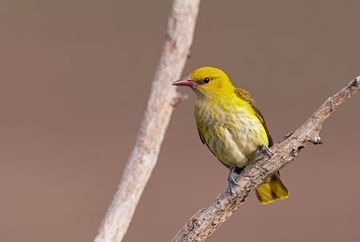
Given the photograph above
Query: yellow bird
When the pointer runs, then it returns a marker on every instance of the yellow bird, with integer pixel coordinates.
(231, 126)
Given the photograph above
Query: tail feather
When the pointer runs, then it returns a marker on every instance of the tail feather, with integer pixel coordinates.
(271, 190)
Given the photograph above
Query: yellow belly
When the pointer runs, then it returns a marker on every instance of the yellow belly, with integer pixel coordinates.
(233, 137)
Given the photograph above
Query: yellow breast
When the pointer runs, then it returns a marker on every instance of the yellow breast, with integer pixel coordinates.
(230, 129)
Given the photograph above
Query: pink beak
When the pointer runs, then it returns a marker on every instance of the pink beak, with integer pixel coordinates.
(185, 82)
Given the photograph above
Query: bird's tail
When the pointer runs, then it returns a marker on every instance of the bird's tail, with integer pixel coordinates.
(271, 190)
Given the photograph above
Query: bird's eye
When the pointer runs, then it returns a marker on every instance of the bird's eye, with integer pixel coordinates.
(207, 80)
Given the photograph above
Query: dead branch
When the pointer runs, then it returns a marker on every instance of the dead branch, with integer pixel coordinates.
(207, 220)
(163, 97)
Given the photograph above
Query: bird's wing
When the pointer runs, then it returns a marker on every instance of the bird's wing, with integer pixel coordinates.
(246, 96)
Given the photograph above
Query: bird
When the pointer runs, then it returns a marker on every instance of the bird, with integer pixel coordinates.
(232, 127)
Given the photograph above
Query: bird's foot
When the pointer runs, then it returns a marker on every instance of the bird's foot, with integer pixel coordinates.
(264, 150)
(233, 175)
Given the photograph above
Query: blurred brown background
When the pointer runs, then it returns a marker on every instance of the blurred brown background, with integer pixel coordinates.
(75, 78)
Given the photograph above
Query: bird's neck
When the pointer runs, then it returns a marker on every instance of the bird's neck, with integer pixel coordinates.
(223, 100)
(221, 94)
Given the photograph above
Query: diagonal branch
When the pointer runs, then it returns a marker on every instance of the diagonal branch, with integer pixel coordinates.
(207, 220)
(163, 97)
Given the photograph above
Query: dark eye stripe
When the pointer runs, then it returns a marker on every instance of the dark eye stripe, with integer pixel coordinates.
(206, 80)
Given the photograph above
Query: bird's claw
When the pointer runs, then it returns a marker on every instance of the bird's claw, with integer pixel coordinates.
(264, 150)
(232, 181)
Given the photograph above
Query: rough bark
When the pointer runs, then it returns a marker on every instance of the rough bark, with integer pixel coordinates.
(163, 97)
(207, 220)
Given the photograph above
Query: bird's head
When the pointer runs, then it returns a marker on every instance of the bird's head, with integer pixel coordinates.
(207, 82)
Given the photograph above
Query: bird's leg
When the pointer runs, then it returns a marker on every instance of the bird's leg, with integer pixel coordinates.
(264, 150)
(232, 179)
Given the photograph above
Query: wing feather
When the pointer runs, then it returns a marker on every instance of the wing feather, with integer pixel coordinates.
(246, 96)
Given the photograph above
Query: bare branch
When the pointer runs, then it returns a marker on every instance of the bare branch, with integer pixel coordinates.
(207, 220)
(163, 97)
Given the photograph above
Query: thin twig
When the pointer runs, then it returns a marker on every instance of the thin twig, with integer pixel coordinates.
(207, 220)
(163, 97)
